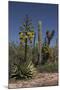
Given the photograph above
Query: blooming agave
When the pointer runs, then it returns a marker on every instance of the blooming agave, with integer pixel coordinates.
(26, 35)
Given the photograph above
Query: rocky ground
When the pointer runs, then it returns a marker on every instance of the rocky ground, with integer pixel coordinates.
(41, 79)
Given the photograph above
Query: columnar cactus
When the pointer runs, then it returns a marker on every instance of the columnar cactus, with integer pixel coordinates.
(39, 41)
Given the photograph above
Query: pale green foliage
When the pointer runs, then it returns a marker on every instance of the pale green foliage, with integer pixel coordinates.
(26, 70)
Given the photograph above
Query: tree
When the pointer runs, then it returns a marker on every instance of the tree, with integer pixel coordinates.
(49, 36)
(46, 50)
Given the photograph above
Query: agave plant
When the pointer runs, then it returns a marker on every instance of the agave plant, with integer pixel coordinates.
(23, 70)
(26, 70)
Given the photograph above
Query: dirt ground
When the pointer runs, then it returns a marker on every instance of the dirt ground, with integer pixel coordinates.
(41, 79)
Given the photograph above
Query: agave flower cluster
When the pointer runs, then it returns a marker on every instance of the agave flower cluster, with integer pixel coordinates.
(26, 35)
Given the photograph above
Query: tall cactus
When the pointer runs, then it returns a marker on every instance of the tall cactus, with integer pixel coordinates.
(39, 41)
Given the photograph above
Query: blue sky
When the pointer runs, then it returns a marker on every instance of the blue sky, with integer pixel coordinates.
(46, 13)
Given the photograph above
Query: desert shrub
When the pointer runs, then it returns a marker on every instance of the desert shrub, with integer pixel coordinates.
(49, 67)
(46, 52)
(12, 59)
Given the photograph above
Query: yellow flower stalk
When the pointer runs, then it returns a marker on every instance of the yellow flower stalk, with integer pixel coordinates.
(21, 34)
(28, 33)
(33, 33)
(25, 36)
(23, 40)
(30, 38)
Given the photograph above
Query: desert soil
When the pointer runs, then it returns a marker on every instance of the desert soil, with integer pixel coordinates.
(41, 79)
